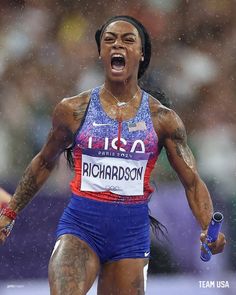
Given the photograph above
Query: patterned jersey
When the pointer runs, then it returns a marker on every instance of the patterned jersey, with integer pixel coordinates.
(113, 160)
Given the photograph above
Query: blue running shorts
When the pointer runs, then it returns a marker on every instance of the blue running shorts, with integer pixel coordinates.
(113, 230)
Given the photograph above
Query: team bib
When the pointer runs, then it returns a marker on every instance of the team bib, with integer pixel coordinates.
(121, 173)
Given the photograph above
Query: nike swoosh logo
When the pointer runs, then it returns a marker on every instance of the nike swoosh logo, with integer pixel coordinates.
(146, 254)
(100, 124)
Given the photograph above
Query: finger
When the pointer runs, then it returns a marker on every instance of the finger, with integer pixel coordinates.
(212, 245)
(205, 249)
(2, 238)
(5, 233)
(221, 235)
(217, 250)
(218, 247)
(203, 237)
(220, 241)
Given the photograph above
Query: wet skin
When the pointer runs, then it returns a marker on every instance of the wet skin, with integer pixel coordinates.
(74, 266)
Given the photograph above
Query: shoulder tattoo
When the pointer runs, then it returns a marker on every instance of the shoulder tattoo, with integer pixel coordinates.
(79, 112)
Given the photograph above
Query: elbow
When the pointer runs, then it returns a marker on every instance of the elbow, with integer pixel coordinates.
(43, 163)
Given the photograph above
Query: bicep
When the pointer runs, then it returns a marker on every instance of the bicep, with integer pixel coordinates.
(180, 155)
(59, 138)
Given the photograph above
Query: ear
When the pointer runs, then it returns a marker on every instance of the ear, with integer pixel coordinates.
(142, 56)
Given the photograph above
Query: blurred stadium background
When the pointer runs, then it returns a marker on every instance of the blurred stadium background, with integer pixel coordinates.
(47, 52)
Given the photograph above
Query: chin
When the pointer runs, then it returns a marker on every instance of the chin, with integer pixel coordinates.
(119, 76)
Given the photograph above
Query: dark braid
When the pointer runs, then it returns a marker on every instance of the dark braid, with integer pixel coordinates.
(68, 153)
(151, 88)
(157, 227)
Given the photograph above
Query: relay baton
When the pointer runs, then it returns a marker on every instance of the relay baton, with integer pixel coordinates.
(212, 235)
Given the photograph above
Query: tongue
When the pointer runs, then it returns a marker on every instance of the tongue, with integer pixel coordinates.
(117, 65)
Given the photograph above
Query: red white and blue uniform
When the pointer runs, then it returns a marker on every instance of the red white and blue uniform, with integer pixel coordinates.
(110, 190)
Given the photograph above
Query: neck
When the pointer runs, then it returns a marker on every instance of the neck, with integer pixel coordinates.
(122, 90)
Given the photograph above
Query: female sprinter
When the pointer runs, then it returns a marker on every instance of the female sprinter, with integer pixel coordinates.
(115, 133)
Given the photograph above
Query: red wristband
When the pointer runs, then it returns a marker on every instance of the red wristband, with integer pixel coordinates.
(9, 213)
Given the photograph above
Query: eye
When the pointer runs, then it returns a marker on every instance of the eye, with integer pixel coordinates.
(129, 40)
(108, 39)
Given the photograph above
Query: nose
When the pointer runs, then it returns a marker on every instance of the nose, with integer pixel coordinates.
(118, 44)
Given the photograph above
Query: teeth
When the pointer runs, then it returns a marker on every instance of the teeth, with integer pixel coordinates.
(117, 55)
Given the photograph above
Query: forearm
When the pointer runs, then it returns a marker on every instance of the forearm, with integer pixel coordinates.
(200, 202)
(33, 178)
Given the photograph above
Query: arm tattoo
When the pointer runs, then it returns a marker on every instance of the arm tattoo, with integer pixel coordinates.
(163, 112)
(26, 189)
(182, 149)
(206, 206)
(160, 113)
(79, 113)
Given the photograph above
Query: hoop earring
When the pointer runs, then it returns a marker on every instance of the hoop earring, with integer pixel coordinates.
(142, 58)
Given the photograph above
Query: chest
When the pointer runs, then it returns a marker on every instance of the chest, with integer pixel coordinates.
(101, 131)
(125, 136)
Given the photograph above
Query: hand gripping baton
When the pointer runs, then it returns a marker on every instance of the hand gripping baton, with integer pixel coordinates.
(212, 234)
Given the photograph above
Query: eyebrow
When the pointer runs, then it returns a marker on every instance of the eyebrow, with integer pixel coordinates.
(124, 35)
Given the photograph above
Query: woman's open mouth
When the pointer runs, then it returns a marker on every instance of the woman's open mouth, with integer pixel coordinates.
(117, 62)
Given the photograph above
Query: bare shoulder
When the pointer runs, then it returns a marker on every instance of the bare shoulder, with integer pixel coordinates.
(158, 109)
(70, 111)
(73, 104)
(166, 121)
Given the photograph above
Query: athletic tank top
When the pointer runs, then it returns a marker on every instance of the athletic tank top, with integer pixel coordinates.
(113, 160)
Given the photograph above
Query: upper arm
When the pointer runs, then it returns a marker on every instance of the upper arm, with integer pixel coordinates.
(67, 117)
(60, 135)
(178, 152)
